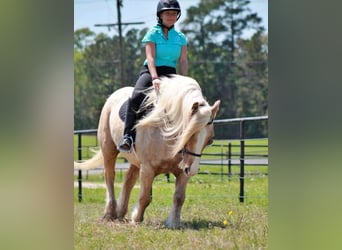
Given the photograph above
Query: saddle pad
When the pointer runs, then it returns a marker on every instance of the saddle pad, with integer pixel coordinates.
(122, 111)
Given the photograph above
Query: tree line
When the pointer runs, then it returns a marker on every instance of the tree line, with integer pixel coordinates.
(226, 65)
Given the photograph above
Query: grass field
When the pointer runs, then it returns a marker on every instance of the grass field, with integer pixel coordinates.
(212, 216)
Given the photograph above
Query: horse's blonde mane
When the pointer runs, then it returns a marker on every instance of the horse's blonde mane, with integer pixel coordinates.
(173, 110)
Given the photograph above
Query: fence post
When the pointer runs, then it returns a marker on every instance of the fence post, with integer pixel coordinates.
(79, 148)
(229, 161)
(222, 164)
(242, 160)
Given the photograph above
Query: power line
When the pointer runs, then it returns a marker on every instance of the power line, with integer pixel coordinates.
(119, 4)
(117, 24)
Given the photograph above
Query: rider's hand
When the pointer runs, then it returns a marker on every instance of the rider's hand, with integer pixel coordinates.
(156, 84)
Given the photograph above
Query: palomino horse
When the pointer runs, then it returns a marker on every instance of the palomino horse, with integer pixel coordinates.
(169, 139)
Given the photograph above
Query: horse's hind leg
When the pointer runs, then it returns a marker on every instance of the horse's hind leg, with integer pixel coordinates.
(178, 199)
(109, 156)
(129, 182)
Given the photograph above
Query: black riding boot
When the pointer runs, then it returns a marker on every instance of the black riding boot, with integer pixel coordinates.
(127, 140)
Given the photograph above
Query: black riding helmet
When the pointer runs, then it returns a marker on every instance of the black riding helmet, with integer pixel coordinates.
(167, 5)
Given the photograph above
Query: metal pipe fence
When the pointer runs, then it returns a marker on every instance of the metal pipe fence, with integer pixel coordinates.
(227, 158)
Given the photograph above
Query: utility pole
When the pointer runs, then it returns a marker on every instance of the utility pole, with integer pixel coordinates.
(122, 68)
(119, 24)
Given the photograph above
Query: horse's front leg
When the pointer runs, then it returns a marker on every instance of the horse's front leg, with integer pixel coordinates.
(129, 182)
(146, 179)
(173, 221)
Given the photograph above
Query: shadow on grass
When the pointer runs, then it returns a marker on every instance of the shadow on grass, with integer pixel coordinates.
(201, 224)
(189, 225)
(185, 225)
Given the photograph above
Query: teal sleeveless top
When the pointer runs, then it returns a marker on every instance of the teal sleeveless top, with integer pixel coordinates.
(167, 50)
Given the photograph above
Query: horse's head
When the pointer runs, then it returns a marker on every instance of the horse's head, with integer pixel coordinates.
(201, 137)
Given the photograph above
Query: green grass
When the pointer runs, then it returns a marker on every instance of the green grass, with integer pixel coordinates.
(205, 217)
(207, 223)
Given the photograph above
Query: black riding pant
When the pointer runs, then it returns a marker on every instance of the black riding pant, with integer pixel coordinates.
(144, 81)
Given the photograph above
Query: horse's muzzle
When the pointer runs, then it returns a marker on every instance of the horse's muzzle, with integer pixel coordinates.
(188, 172)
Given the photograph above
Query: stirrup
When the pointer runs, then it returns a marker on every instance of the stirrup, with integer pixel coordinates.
(126, 144)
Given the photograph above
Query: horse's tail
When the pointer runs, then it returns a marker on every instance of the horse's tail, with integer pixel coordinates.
(94, 162)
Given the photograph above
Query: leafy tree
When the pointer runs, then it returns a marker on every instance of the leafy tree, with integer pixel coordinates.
(203, 50)
(94, 76)
(134, 55)
(80, 79)
(227, 66)
(253, 82)
(213, 28)
(252, 56)
(82, 37)
(97, 72)
(82, 106)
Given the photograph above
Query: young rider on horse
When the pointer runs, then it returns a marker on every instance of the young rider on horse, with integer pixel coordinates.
(164, 47)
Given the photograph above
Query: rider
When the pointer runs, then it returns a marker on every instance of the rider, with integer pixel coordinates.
(164, 48)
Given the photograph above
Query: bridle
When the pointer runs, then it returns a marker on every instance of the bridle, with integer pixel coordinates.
(185, 151)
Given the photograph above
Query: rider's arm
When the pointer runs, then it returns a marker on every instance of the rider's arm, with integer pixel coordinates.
(150, 50)
(183, 61)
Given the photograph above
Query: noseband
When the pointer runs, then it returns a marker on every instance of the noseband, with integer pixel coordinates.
(185, 151)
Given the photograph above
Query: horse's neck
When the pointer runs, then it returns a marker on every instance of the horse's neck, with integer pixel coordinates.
(150, 141)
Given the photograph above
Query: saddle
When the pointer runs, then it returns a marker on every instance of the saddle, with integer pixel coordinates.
(140, 113)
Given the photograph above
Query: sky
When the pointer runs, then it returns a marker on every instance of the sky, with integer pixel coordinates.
(87, 13)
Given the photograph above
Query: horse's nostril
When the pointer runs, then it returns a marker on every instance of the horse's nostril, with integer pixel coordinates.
(187, 170)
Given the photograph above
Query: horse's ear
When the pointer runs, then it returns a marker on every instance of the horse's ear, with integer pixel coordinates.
(195, 107)
(215, 108)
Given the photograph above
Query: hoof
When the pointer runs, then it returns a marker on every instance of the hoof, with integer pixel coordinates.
(172, 225)
(108, 217)
(133, 223)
